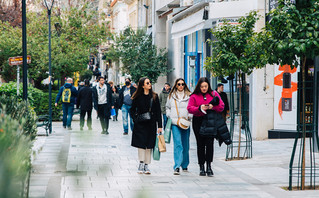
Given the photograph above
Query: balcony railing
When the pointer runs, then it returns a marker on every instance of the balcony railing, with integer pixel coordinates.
(214, 1)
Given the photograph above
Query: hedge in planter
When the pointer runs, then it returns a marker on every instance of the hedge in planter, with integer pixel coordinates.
(22, 112)
(38, 99)
(15, 151)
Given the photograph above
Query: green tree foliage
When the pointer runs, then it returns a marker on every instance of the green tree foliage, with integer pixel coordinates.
(86, 74)
(76, 34)
(10, 46)
(139, 56)
(294, 32)
(236, 48)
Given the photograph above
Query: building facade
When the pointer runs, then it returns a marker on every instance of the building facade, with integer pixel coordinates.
(185, 25)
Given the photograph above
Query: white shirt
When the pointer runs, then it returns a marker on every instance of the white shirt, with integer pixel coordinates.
(101, 93)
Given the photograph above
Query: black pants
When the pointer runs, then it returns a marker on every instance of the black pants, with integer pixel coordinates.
(117, 113)
(205, 146)
(89, 118)
(104, 114)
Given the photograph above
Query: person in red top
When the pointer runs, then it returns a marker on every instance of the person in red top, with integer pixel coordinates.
(197, 105)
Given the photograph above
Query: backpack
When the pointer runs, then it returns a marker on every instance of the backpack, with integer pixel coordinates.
(66, 95)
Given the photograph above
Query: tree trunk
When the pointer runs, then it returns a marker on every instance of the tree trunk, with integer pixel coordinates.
(240, 112)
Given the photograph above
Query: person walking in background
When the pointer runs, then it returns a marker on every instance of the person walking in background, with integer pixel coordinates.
(125, 100)
(81, 85)
(103, 102)
(145, 101)
(84, 101)
(111, 84)
(67, 94)
(116, 101)
(199, 102)
(176, 110)
(163, 98)
(223, 96)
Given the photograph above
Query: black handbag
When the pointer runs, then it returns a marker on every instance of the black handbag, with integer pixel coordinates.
(144, 117)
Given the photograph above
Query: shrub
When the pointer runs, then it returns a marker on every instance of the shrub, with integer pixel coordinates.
(43, 107)
(22, 112)
(38, 99)
(15, 151)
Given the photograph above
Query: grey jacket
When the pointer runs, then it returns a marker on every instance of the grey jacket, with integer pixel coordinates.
(162, 99)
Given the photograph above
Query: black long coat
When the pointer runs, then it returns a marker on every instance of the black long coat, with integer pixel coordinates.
(144, 133)
(84, 99)
(214, 125)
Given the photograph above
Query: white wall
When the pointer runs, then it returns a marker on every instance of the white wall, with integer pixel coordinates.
(120, 13)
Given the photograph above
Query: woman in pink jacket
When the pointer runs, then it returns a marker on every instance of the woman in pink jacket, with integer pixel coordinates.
(197, 105)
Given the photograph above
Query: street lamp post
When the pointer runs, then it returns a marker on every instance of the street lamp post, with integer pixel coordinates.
(49, 5)
(24, 51)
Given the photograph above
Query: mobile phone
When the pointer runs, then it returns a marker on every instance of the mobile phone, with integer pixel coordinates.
(206, 104)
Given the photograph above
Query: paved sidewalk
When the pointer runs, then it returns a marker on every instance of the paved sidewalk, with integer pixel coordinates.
(88, 164)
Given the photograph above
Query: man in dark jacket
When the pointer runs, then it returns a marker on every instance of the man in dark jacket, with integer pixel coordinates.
(126, 103)
(103, 102)
(68, 101)
(223, 96)
(162, 99)
(84, 101)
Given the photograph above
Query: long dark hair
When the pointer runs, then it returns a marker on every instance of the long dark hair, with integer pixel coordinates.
(199, 83)
(140, 89)
(174, 89)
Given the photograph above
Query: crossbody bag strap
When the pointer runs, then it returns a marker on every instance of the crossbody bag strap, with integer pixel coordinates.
(176, 108)
(151, 104)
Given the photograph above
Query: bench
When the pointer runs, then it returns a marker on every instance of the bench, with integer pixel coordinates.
(44, 122)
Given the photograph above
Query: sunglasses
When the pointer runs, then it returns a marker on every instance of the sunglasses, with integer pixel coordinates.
(148, 83)
(181, 84)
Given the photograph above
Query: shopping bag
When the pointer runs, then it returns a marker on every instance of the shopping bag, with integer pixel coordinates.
(156, 152)
(168, 131)
(161, 143)
(113, 113)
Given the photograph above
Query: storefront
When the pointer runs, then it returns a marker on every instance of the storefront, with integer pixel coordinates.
(193, 58)
(288, 100)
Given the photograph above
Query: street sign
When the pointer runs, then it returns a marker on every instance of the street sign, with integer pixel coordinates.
(18, 60)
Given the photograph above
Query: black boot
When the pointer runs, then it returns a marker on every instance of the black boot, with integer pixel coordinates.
(209, 170)
(202, 170)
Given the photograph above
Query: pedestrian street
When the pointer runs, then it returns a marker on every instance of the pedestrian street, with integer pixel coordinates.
(90, 164)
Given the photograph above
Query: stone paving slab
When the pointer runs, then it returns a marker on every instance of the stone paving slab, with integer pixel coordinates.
(88, 164)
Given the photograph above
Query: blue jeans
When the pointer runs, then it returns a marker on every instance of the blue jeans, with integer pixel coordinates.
(125, 114)
(181, 146)
(67, 114)
(164, 121)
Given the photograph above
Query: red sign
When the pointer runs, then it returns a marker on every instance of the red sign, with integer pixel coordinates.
(18, 60)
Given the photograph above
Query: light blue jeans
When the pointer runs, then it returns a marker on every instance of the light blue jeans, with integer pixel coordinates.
(125, 114)
(181, 146)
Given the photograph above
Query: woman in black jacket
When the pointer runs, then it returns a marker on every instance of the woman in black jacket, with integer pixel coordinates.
(116, 102)
(144, 131)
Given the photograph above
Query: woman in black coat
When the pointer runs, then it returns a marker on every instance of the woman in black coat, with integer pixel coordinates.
(116, 101)
(144, 132)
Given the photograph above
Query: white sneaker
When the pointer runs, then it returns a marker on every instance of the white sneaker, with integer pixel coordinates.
(146, 169)
(140, 169)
